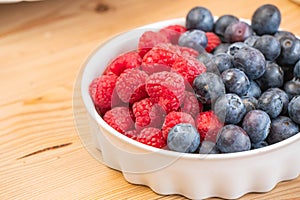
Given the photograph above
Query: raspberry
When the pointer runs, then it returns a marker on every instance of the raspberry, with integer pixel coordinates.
(102, 92)
(186, 52)
(166, 89)
(120, 118)
(147, 113)
(124, 61)
(152, 137)
(174, 118)
(181, 51)
(133, 134)
(212, 41)
(158, 59)
(208, 126)
(148, 40)
(173, 32)
(188, 68)
(191, 105)
(130, 85)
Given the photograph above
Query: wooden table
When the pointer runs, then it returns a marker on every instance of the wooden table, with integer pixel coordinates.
(43, 46)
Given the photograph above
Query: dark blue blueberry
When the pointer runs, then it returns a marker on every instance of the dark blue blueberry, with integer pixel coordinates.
(183, 138)
(194, 39)
(235, 47)
(292, 87)
(269, 46)
(257, 124)
(204, 57)
(200, 18)
(236, 81)
(237, 32)
(294, 109)
(230, 108)
(297, 70)
(283, 97)
(250, 103)
(271, 103)
(222, 23)
(259, 145)
(282, 128)
(251, 40)
(254, 90)
(273, 77)
(208, 87)
(290, 51)
(279, 34)
(222, 61)
(266, 19)
(232, 138)
(208, 147)
(251, 61)
(221, 48)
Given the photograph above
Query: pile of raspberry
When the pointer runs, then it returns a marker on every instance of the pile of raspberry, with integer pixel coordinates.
(143, 94)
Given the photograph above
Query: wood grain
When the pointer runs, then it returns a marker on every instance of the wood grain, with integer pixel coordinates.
(43, 46)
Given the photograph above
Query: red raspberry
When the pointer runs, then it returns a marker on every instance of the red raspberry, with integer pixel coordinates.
(174, 118)
(130, 85)
(188, 68)
(173, 32)
(166, 89)
(133, 134)
(120, 118)
(208, 126)
(148, 40)
(212, 41)
(152, 137)
(191, 105)
(124, 61)
(147, 113)
(102, 92)
(158, 59)
(186, 52)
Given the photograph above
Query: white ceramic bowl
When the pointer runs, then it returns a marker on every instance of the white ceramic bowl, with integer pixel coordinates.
(192, 175)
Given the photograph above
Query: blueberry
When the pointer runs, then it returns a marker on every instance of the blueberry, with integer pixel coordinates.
(221, 48)
(208, 147)
(297, 70)
(292, 87)
(273, 76)
(294, 109)
(279, 34)
(283, 97)
(269, 46)
(232, 138)
(257, 123)
(282, 128)
(271, 103)
(183, 138)
(235, 47)
(208, 87)
(266, 19)
(204, 57)
(237, 32)
(259, 145)
(222, 61)
(229, 108)
(250, 103)
(235, 81)
(251, 40)
(254, 90)
(200, 18)
(251, 61)
(290, 51)
(222, 23)
(288, 73)
(195, 39)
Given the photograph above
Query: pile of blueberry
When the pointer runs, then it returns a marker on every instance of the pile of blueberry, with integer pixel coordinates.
(252, 82)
